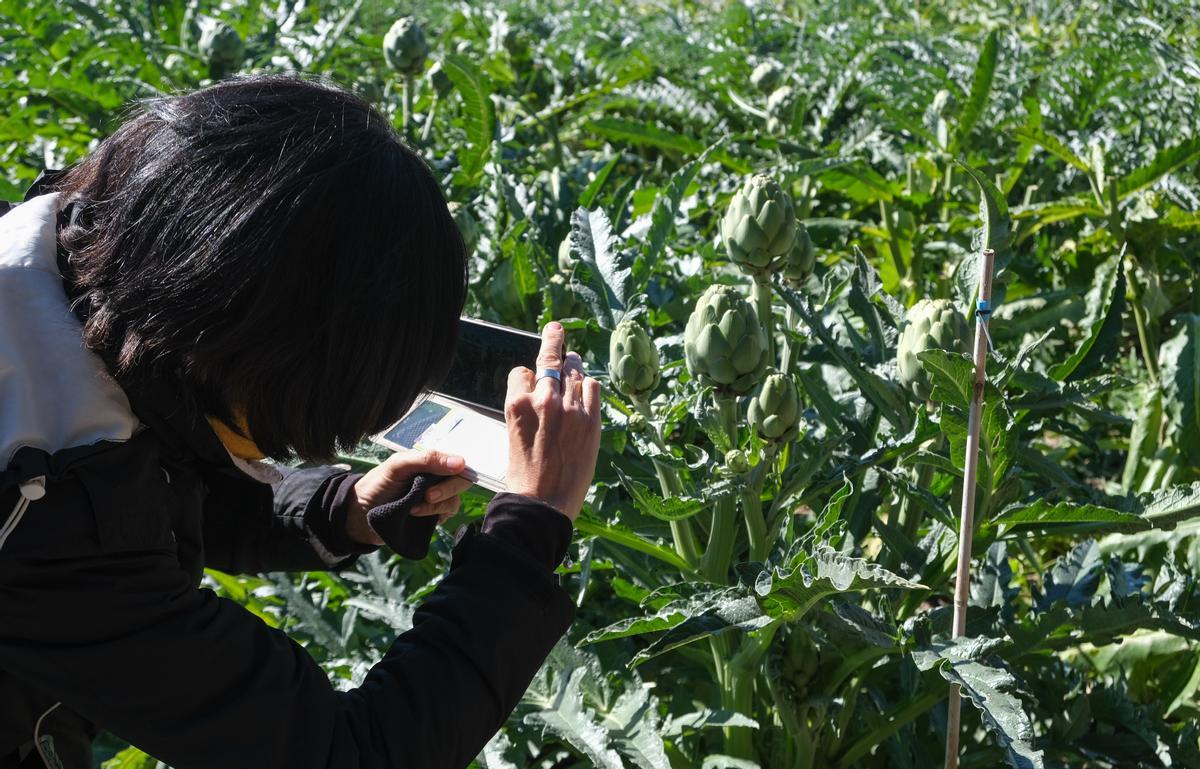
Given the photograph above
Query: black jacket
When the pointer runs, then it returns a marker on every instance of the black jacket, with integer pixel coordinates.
(100, 611)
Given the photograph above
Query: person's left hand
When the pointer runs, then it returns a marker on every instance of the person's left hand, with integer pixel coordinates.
(391, 479)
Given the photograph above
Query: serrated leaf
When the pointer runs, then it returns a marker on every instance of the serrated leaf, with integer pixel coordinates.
(993, 691)
(478, 114)
(664, 509)
(1168, 507)
(704, 719)
(1101, 324)
(633, 725)
(1042, 513)
(674, 613)
(995, 233)
(981, 88)
(627, 537)
(1053, 145)
(564, 715)
(952, 375)
(605, 280)
(790, 595)
(1167, 160)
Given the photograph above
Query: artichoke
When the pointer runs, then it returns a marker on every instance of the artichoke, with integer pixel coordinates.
(404, 47)
(799, 262)
(766, 76)
(632, 360)
(775, 411)
(759, 226)
(932, 324)
(220, 46)
(737, 462)
(724, 343)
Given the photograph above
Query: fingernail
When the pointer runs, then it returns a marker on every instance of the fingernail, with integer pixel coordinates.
(455, 463)
(554, 325)
(574, 355)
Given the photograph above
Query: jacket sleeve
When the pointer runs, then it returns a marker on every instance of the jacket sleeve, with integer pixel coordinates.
(196, 681)
(295, 524)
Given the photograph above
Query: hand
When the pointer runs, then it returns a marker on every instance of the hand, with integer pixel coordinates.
(392, 478)
(553, 428)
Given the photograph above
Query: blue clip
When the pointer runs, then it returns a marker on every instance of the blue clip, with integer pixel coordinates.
(983, 310)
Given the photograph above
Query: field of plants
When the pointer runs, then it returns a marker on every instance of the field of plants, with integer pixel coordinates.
(765, 222)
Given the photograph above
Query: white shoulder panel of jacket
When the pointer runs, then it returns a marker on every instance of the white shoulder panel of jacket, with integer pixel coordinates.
(54, 393)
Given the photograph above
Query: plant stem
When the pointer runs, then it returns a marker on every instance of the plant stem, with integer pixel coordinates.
(406, 105)
(885, 213)
(756, 525)
(428, 124)
(766, 317)
(1143, 329)
(789, 355)
(682, 533)
(723, 535)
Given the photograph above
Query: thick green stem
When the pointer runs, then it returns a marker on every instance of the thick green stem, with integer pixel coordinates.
(1143, 328)
(766, 317)
(406, 90)
(723, 535)
(427, 126)
(752, 511)
(682, 533)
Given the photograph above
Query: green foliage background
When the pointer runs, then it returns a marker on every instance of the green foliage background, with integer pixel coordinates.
(1062, 135)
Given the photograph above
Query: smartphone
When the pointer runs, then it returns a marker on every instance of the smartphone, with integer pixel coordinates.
(464, 415)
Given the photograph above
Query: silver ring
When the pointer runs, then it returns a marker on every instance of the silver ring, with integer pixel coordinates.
(550, 373)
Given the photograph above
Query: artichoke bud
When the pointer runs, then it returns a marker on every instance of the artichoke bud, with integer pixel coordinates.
(441, 82)
(467, 226)
(220, 46)
(636, 422)
(633, 364)
(767, 75)
(404, 47)
(775, 411)
(799, 262)
(736, 461)
(759, 226)
(724, 344)
(932, 324)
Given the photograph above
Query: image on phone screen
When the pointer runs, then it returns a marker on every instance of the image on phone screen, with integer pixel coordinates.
(486, 354)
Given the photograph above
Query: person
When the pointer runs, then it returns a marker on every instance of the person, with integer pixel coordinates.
(258, 269)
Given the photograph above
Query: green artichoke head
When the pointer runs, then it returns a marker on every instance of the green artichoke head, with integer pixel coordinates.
(931, 324)
(633, 364)
(800, 260)
(724, 343)
(767, 76)
(759, 227)
(737, 462)
(220, 46)
(775, 410)
(404, 46)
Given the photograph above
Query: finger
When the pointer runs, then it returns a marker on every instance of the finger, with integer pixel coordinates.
(405, 464)
(520, 382)
(550, 356)
(446, 489)
(449, 507)
(591, 398)
(572, 384)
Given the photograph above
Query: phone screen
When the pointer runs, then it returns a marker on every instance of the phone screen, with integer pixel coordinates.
(486, 353)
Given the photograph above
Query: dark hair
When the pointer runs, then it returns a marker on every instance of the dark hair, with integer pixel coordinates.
(270, 244)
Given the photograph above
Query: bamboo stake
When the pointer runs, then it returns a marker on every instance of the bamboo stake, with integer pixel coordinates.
(966, 529)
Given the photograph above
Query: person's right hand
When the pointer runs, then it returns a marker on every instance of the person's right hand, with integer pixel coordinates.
(553, 428)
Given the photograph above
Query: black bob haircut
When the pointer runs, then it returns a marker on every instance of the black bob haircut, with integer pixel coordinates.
(269, 247)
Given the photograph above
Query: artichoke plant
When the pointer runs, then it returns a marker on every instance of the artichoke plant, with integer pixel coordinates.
(724, 344)
(775, 411)
(759, 227)
(800, 260)
(467, 226)
(405, 48)
(932, 324)
(737, 462)
(220, 46)
(633, 364)
(566, 262)
(767, 76)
